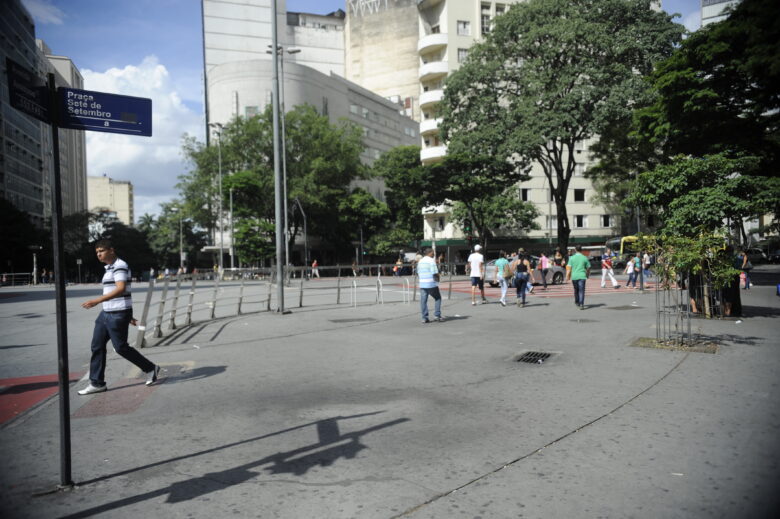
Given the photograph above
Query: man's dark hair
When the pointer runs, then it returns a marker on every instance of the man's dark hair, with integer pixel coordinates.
(426, 251)
(104, 244)
(578, 248)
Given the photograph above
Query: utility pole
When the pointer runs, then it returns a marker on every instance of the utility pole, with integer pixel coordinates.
(277, 169)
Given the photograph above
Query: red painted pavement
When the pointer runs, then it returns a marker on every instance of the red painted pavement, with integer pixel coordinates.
(17, 395)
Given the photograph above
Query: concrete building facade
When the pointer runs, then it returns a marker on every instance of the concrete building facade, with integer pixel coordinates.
(26, 166)
(244, 89)
(380, 51)
(107, 195)
(713, 11)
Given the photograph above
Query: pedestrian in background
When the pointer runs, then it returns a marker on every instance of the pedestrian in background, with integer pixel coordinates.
(521, 268)
(606, 269)
(579, 272)
(428, 273)
(315, 270)
(113, 321)
(503, 274)
(544, 268)
(476, 266)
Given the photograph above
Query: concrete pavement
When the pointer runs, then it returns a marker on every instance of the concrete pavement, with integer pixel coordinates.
(364, 412)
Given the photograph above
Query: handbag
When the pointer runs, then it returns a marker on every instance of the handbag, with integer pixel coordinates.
(748, 265)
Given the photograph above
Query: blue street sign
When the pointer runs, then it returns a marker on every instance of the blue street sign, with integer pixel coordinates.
(102, 112)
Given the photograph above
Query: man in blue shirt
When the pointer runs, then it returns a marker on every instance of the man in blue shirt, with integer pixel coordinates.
(428, 272)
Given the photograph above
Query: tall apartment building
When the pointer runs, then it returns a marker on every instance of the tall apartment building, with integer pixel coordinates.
(25, 143)
(112, 196)
(713, 11)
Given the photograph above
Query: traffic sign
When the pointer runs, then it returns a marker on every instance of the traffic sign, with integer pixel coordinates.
(27, 91)
(102, 112)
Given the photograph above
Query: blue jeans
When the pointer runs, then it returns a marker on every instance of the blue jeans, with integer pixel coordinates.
(579, 291)
(433, 292)
(632, 279)
(521, 282)
(113, 326)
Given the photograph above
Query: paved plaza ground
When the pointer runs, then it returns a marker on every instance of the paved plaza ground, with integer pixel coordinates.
(340, 411)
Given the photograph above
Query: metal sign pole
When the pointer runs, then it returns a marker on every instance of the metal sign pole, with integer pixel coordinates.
(59, 280)
(280, 259)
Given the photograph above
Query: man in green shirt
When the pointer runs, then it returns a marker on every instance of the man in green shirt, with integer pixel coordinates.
(578, 270)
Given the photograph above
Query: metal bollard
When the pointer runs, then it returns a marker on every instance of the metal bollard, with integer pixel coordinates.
(214, 298)
(300, 296)
(140, 340)
(268, 301)
(380, 296)
(407, 295)
(161, 310)
(354, 294)
(449, 288)
(188, 320)
(240, 296)
(172, 322)
(414, 290)
(338, 288)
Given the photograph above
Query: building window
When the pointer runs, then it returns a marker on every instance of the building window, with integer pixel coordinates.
(354, 109)
(464, 28)
(579, 169)
(251, 111)
(435, 29)
(440, 224)
(462, 55)
(500, 9)
(324, 106)
(525, 195)
(485, 24)
(579, 195)
(580, 221)
(606, 220)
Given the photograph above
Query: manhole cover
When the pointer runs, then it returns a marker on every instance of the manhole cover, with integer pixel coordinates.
(533, 357)
(626, 307)
(358, 320)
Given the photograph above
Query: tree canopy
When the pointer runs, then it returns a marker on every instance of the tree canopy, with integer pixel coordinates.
(551, 74)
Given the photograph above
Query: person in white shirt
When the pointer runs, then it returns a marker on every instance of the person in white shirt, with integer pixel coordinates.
(113, 321)
(428, 272)
(476, 266)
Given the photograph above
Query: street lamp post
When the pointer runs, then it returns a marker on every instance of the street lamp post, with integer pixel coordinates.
(280, 50)
(181, 236)
(305, 235)
(218, 133)
(232, 234)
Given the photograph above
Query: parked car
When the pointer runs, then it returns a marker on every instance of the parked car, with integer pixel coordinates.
(756, 256)
(555, 275)
(774, 257)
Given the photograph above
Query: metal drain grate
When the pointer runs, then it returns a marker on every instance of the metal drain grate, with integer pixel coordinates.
(534, 357)
(626, 307)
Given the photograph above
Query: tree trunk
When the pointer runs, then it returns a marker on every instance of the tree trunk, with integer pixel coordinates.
(563, 225)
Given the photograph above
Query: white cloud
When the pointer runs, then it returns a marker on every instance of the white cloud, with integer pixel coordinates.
(152, 164)
(44, 12)
(692, 21)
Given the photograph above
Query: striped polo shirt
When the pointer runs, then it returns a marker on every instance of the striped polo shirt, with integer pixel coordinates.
(426, 268)
(117, 271)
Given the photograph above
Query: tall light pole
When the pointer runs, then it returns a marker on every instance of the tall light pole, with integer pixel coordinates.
(280, 52)
(277, 173)
(305, 234)
(232, 233)
(218, 132)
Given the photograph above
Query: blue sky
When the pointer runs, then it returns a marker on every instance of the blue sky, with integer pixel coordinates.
(153, 48)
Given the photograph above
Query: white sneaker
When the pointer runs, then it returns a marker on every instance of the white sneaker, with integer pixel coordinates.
(92, 389)
(152, 376)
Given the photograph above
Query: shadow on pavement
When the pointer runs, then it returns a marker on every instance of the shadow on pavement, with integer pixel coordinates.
(194, 374)
(297, 462)
(760, 311)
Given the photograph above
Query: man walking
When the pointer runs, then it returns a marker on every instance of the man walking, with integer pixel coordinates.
(476, 266)
(606, 269)
(503, 275)
(578, 271)
(113, 321)
(428, 272)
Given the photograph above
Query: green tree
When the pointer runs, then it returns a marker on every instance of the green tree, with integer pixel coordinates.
(408, 185)
(20, 238)
(362, 216)
(551, 74)
(481, 190)
(693, 195)
(322, 159)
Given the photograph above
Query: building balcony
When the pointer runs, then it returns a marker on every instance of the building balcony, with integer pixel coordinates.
(433, 70)
(431, 42)
(432, 154)
(428, 126)
(431, 97)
